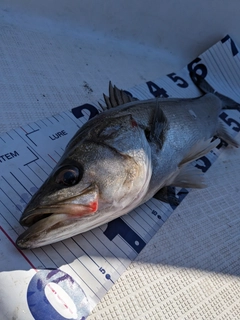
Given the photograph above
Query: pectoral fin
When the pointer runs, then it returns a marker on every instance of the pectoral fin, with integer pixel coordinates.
(201, 148)
(159, 126)
(189, 177)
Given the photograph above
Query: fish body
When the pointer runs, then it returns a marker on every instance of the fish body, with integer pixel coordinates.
(119, 160)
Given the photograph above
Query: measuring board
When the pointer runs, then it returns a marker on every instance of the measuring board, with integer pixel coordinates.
(67, 279)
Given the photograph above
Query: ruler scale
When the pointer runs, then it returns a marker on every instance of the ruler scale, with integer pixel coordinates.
(87, 265)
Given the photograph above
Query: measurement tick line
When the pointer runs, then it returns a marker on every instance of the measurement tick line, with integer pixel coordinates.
(11, 240)
(94, 249)
(108, 250)
(58, 153)
(52, 158)
(44, 123)
(27, 177)
(85, 251)
(37, 125)
(72, 119)
(32, 160)
(13, 190)
(118, 245)
(20, 183)
(49, 120)
(23, 129)
(133, 215)
(55, 118)
(22, 137)
(8, 220)
(37, 174)
(9, 136)
(27, 135)
(77, 274)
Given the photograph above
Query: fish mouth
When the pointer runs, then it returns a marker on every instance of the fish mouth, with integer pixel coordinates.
(56, 221)
(52, 224)
(73, 211)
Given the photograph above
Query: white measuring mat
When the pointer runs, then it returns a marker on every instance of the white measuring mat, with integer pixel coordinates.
(66, 280)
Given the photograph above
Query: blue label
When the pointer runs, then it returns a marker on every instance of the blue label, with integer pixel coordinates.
(41, 307)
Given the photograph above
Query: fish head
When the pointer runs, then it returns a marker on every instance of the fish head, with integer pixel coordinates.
(90, 185)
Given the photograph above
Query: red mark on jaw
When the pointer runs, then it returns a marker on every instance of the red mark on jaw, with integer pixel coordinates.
(79, 211)
(133, 123)
(93, 206)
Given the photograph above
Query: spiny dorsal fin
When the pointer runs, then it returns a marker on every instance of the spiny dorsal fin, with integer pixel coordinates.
(116, 97)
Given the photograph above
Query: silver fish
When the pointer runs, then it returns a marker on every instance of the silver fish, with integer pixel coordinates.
(119, 160)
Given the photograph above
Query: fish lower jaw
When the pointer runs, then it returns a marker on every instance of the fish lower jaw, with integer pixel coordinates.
(37, 234)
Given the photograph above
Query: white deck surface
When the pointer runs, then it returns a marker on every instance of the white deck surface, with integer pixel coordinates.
(49, 63)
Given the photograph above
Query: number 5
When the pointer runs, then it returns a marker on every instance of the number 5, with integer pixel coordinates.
(175, 78)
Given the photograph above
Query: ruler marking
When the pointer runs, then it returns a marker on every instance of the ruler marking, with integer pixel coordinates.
(44, 123)
(27, 177)
(108, 250)
(9, 135)
(27, 135)
(37, 158)
(69, 265)
(36, 173)
(37, 125)
(52, 158)
(13, 243)
(77, 123)
(14, 191)
(10, 213)
(55, 118)
(49, 120)
(21, 183)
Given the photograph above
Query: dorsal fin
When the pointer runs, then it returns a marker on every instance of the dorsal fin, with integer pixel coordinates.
(116, 98)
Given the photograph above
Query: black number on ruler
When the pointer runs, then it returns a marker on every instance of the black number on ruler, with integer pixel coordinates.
(119, 227)
(180, 196)
(103, 271)
(156, 91)
(233, 46)
(206, 164)
(197, 68)
(155, 213)
(230, 121)
(181, 82)
(77, 112)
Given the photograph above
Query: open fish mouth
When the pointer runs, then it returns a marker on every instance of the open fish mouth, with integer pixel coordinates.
(39, 232)
(72, 211)
(52, 223)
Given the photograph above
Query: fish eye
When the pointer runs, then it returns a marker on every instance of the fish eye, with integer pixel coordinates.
(68, 175)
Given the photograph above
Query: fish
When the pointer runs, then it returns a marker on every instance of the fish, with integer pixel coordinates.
(120, 159)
